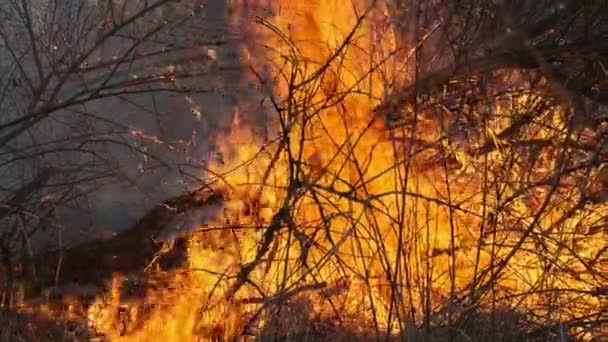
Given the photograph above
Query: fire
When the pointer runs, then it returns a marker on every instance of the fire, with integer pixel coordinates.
(344, 219)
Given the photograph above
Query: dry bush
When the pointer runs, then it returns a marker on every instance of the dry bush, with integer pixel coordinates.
(493, 163)
(470, 206)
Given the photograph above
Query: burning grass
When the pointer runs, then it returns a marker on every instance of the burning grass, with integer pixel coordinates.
(448, 225)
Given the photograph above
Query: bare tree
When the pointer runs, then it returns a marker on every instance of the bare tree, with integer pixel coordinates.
(91, 95)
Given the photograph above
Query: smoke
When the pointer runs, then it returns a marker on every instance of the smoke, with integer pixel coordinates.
(152, 144)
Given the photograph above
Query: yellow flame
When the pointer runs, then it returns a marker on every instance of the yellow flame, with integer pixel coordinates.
(371, 230)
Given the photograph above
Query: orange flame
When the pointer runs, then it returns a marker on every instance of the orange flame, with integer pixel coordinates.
(356, 227)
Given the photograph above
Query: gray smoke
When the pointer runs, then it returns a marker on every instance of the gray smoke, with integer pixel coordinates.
(117, 156)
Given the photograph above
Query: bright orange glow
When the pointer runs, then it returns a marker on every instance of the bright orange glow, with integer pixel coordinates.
(355, 225)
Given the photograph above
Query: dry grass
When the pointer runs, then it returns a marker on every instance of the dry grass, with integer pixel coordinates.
(36, 328)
